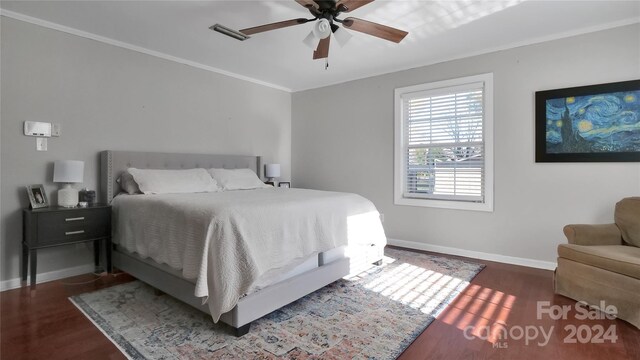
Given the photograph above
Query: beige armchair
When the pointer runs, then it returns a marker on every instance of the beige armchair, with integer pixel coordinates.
(602, 262)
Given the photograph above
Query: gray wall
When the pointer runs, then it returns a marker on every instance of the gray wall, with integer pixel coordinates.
(349, 147)
(107, 97)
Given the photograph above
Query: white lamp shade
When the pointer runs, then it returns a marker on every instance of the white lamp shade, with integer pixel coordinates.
(342, 36)
(68, 171)
(272, 170)
(311, 41)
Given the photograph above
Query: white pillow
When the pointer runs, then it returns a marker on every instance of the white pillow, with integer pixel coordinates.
(153, 181)
(237, 179)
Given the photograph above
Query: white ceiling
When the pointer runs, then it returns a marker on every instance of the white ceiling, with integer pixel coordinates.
(438, 31)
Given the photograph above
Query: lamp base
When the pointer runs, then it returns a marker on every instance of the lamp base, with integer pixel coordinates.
(67, 196)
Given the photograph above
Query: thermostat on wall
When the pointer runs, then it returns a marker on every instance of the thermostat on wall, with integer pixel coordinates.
(40, 129)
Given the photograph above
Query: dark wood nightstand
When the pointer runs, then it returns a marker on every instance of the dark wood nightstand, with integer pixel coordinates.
(55, 226)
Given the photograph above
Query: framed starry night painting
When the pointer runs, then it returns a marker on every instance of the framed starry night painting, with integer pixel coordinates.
(597, 123)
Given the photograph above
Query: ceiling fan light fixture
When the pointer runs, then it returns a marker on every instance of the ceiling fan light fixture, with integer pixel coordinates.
(326, 17)
(342, 36)
(322, 29)
(229, 32)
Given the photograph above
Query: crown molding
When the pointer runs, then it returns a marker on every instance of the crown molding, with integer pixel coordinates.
(158, 54)
(88, 35)
(514, 45)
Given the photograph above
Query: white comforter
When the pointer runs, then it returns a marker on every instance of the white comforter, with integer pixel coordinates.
(228, 240)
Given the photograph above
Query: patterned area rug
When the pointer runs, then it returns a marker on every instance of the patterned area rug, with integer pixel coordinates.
(374, 315)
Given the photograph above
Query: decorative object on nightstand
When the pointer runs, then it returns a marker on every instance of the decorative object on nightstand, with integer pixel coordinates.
(284, 184)
(58, 226)
(87, 196)
(37, 196)
(68, 172)
(272, 171)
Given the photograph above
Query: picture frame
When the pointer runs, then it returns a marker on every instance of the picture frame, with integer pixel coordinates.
(37, 196)
(284, 184)
(595, 123)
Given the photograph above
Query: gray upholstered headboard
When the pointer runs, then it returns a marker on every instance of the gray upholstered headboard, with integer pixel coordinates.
(113, 163)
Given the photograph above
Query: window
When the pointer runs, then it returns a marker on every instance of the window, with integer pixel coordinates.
(444, 144)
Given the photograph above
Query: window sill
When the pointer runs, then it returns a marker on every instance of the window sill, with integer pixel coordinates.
(454, 205)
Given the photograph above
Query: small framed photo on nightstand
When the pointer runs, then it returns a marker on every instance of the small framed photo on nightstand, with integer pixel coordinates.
(37, 196)
(284, 184)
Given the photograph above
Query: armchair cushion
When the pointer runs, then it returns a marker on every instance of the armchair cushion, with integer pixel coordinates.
(623, 260)
(627, 217)
(583, 234)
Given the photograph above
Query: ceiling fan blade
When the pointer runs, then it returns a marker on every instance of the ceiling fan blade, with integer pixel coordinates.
(350, 5)
(322, 51)
(374, 29)
(307, 3)
(273, 26)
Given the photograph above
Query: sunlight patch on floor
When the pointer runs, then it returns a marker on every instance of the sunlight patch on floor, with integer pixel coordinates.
(412, 285)
(480, 308)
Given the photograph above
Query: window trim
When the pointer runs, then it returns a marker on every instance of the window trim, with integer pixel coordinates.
(400, 159)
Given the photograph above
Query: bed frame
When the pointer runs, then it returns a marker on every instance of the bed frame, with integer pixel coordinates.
(331, 265)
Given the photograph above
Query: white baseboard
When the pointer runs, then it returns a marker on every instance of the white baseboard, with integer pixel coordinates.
(547, 265)
(539, 264)
(48, 276)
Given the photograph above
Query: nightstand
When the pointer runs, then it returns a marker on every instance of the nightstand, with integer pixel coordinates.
(56, 226)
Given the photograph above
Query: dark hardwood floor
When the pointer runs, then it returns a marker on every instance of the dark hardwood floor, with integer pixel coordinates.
(45, 325)
(504, 298)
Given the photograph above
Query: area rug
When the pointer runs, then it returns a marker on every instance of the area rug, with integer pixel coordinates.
(373, 315)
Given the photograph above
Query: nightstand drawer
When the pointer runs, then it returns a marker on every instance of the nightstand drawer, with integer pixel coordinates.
(73, 225)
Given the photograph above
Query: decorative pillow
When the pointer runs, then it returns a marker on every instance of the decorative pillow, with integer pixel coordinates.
(128, 184)
(237, 179)
(173, 181)
(627, 218)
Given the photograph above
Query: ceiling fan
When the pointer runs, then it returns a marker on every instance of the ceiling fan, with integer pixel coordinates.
(325, 13)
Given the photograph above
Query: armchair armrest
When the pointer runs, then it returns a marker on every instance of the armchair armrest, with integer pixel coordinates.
(580, 234)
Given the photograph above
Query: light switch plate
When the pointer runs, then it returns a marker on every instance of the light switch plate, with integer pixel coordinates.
(41, 144)
(56, 130)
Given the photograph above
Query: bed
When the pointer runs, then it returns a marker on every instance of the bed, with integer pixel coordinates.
(268, 282)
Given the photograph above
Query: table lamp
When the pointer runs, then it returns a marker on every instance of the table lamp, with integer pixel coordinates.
(272, 171)
(68, 172)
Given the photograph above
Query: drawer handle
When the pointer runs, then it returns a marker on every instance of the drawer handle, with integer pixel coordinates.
(74, 232)
(74, 219)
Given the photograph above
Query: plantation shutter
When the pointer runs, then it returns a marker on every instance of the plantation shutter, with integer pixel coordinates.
(443, 143)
